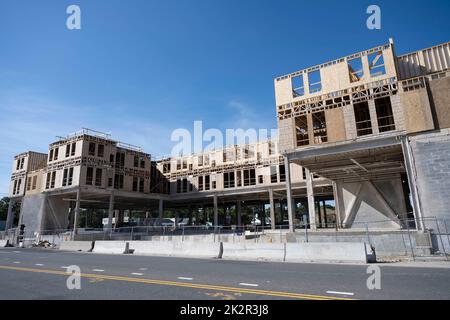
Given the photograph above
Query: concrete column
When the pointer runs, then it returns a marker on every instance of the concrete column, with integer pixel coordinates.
(77, 211)
(110, 211)
(216, 212)
(325, 218)
(20, 213)
(338, 202)
(272, 209)
(122, 217)
(412, 181)
(71, 215)
(10, 216)
(238, 213)
(176, 218)
(290, 203)
(310, 195)
(282, 210)
(116, 218)
(160, 210)
(190, 215)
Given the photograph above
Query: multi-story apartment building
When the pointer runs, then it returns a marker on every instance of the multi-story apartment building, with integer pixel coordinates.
(362, 139)
(90, 170)
(233, 176)
(25, 175)
(229, 168)
(376, 125)
(48, 185)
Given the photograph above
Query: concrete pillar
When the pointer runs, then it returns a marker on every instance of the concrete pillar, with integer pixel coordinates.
(310, 195)
(10, 216)
(290, 203)
(272, 209)
(319, 213)
(190, 215)
(216, 212)
(77, 211)
(110, 211)
(412, 181)
(69, 218)
(20, 214)
(160, 210)
(325, 218)
(116, 218)
(339, 208)
(280, 202)
(238, 213)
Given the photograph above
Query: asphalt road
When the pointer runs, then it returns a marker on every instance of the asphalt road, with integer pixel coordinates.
(41, 274)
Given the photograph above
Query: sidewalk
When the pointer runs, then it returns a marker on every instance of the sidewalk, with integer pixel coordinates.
(420, 262)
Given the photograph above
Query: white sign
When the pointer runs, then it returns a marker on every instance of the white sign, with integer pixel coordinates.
(105, 221)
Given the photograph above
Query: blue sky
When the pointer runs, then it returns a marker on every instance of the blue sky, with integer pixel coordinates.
(140, 69)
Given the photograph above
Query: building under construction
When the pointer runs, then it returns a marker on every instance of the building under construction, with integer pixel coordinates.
(363, 139)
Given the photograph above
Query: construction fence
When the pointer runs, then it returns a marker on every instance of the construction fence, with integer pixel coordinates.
(405, 241)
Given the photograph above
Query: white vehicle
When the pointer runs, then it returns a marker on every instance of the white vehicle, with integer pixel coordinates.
(256, 222)
(170, 222)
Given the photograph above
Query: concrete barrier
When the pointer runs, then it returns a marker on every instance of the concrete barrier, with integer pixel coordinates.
(193, 249)
(253, 251)
(157, 248)
(387, 243)
(111, 247)
(344, 252)
(175, 249)
(347, 252)
(300, 252)
(84, 246)
(3, 243)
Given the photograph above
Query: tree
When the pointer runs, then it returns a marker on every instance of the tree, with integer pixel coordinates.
(4, 202)
(4, 208)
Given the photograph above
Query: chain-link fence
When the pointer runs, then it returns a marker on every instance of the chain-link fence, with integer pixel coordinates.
(389, 238)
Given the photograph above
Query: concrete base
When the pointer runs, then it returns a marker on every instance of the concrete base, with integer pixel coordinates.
(386, 244)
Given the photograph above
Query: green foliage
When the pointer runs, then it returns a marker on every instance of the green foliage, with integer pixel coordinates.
(4, 202)
(4, 208)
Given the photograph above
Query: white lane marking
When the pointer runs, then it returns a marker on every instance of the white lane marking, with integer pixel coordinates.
(39, 264)
(16, 262)
(98, 270)
(343, 293)
(64, 267)
(137, 274)
(143, 269)
(16, 251)
(249, 284)
(185, 278)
